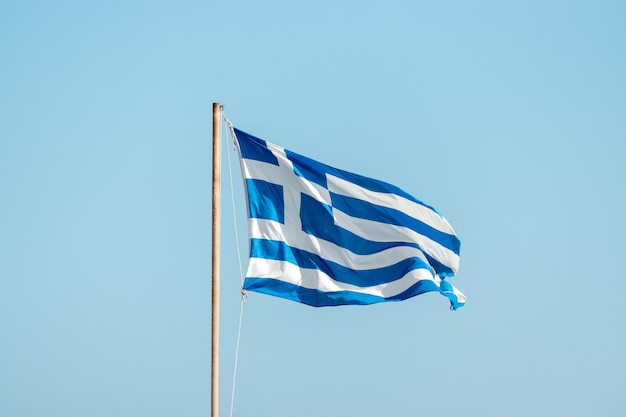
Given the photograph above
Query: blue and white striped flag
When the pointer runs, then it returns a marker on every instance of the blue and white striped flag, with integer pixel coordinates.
(325, 237)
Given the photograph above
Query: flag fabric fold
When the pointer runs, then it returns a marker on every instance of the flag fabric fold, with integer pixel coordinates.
(322, 236)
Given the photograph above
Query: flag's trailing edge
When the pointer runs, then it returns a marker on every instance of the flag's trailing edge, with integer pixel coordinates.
(326, 237)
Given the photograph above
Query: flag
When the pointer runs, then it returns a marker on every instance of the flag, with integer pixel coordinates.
(322, 236)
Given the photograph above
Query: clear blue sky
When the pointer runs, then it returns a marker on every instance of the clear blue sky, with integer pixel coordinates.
(508, 117)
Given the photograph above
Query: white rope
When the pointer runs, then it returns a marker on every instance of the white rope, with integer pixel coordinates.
(232, 195)
(232, 399)
(243, 292)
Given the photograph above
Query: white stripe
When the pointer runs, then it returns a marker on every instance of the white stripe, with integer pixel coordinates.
(316, 279)
(384, 232)
(272, 230)
(394, 201)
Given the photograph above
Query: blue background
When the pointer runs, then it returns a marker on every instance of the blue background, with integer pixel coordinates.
(508, 117)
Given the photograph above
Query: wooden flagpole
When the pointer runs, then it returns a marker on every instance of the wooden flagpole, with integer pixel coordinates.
(215, 260)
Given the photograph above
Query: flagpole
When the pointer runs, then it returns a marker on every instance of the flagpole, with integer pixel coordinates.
(215, 260)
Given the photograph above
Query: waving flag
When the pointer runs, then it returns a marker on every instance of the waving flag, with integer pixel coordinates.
(326, 237)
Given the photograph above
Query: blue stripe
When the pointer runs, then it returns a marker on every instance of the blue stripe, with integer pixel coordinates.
(312, 297)
(317, 220)
(317, 298)
(317, 172)
(308, 168)
(376, 185)
(365, 210)
(444, 271)
(280, 251)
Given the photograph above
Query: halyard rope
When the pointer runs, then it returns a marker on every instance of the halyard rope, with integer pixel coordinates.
(243, 292)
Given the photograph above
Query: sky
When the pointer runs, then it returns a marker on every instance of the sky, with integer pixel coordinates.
(508, 117)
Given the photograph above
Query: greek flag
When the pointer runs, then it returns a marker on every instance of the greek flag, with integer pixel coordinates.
(326, 237)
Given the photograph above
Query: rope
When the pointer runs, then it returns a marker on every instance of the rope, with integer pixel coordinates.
(243, 292)
(232, 194)
(243, 301)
